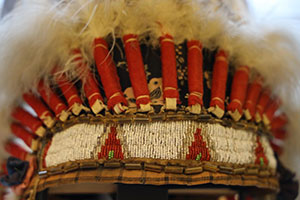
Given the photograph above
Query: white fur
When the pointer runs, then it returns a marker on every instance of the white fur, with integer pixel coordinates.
(31, 43)
(100, 19)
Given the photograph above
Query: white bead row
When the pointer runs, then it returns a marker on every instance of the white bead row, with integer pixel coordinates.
(157, 140)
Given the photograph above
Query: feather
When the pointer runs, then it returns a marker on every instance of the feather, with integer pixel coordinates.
(99, 19)
(31, 37)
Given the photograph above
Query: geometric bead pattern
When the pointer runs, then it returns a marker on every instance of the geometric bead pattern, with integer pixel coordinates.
(167, 140)
(198, 149)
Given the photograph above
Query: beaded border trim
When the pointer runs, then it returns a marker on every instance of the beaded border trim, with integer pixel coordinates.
(151, 117)
(168, 166)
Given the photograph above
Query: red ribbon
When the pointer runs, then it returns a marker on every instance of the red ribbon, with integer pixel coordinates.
(26, 119)
(252, 96)
(108, 74)
(195, 72)
(169, 72)
(136, 69)
(219, 80)
(22, 133)
(38, 106)
(239, 89)
(15, 151)
(52, 100)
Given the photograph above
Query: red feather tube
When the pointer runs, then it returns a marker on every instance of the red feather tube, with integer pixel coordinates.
(20, 132)
(195, 76)
(26, 119)
(15, 150)
(53, 101)
(268, 115)
(279, 122)
(40, 108)
(238, 92)
(169, 72)
(70, 93)
(252, 97)
(90, 86)
(137, 72)
(280, 134)
(263, 101)
(277, 142)
(109, 76)
(218, 91)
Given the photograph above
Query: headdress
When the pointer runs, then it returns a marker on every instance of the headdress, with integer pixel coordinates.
(145, 92)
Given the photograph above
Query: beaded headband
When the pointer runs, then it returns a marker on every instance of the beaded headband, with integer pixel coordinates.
(147, 105)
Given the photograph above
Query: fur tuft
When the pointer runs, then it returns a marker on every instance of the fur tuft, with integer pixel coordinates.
(32, 40)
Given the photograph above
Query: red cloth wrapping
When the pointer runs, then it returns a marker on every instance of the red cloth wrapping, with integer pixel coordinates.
(252, 97)
(90, 86)
(52, 100)
(68, 89)
(15, 151)
(19, 131)
(280, 134)
(136, 69)
(271, 108)
(169, 72)
(108, 74)
(239, 89)
(27, 119)
(39, 107)
(220, 71)
(279, 122)
(195, 72)
(263, 101)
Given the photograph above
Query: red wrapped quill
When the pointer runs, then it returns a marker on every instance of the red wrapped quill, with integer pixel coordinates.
(109, 77)
(15, 151)
(279, 122)
(26, 136)
(53, 101)
(169, 72)
(238, 92)
(70, 93)
(195, 76)
(40, 108)
(253, 92)
(270, 112)
(220, 70)
(26, 119)
(90, 86)
(263, 101)
(137, 72)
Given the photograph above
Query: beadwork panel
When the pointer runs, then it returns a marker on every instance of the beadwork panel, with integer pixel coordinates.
(175, 140)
